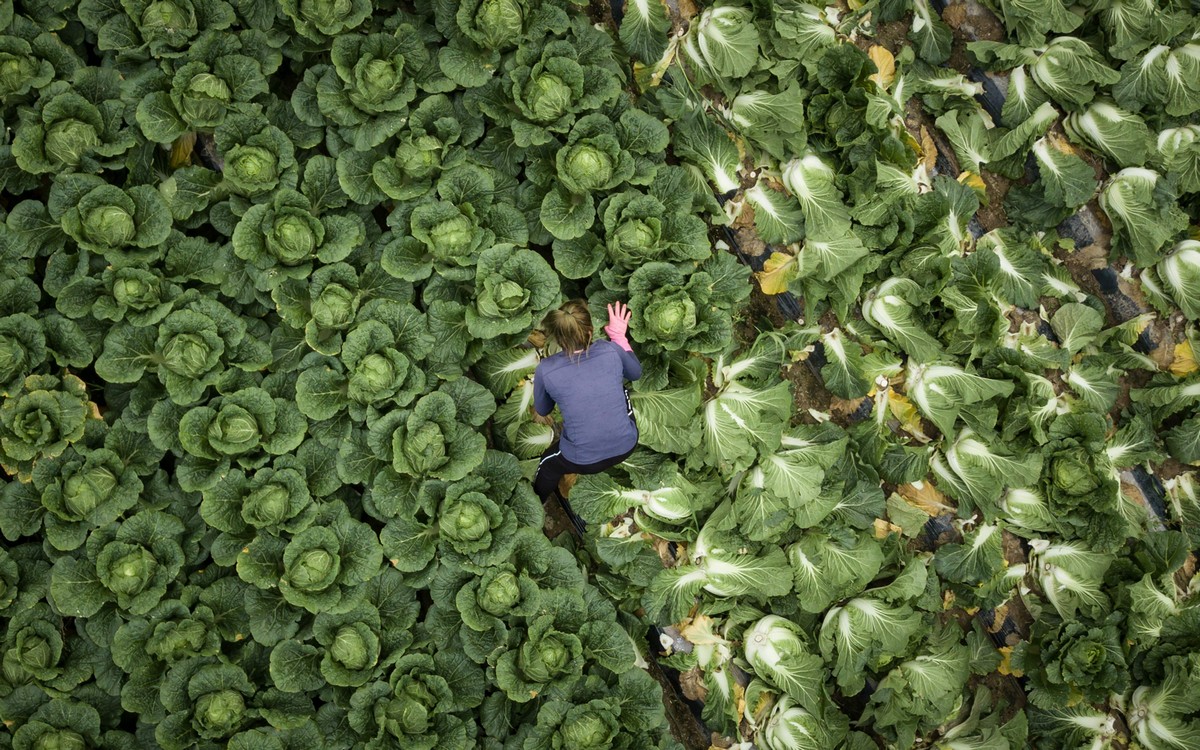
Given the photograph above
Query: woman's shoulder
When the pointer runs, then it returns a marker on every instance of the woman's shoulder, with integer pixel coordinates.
(545, 362)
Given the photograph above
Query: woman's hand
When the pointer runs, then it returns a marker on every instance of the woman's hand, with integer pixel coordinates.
(546, 420)
(618, 324)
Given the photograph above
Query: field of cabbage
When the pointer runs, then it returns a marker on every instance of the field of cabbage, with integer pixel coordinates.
(915, 288)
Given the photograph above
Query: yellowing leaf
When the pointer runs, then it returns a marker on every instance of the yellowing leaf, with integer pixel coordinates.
(885, 62)
(973, 181)
(699, 630)
(740, 699)
(1185, 360)
(884, 529)
(778, 271)
(904, 410)
(1006, 662)
(181, 150)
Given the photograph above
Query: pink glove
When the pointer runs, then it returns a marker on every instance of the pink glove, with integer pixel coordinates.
(618, 324)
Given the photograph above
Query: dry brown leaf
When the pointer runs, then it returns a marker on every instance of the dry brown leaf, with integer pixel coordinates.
(745, 218)
(926, 497)
(929, 150)
(841, 407)
(566, 483)
(662, 547)
(691, 684)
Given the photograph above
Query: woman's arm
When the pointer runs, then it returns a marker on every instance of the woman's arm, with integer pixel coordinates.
(618, 324)
(543, 404)
(630, 366)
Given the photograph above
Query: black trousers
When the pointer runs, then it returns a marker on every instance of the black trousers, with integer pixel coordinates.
(553, 466)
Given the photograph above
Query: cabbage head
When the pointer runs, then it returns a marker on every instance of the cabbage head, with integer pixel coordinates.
(22, 348)
(640, 229)
(190, 348)
(123, 225)
(352, 645)
(588, 726)
(259, 157)
(1069, 662)
(550, 89)
(413, 709)
(547, 662)
(220, 76)
(138, 295)
(169, 633)
(431, 442)
(283, 238)
(492, 24)
(274, 500)
(242, 423)
(514, 289)
(319, 20)
(35, 648)
(67, 129)
(84, 492)
(165, 27)
(207, 701)
(592, 158)
(451, 233)
(21, 70)
(60, 723)
(40, 419)
(333, 297)
(324, 565)
(373, 74)
(501, 592)
(677, 311)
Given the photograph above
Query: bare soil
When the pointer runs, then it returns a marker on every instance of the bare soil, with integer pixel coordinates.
(1170, 468)
(1014, 553)
(748, 240)
(808, 392)
(1018, 316)
(760, 313)
(1014, 617)
(683, 724)
(556, 522)
(893, 36)
(1133, 379)
(973, 21)
(969, 22)
(992, 214)
(1084, 260)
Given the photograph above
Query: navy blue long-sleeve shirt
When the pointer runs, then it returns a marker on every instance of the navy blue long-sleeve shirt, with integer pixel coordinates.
(589, 389)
